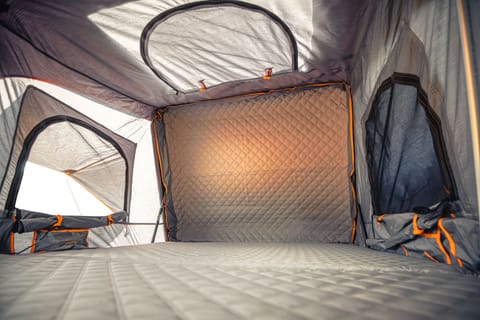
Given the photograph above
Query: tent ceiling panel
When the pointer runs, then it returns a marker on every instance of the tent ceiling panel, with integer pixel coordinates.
(34, 65)
(219, 42)
(64, 34)
(93, 45)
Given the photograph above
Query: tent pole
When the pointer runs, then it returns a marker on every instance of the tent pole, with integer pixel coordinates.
(471, 93)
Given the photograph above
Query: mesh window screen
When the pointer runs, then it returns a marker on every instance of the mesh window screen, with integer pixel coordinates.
(216, 43)
(406, 155)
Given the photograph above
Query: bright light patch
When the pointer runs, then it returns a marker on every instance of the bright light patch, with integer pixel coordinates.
(124, 23)
(53, 192)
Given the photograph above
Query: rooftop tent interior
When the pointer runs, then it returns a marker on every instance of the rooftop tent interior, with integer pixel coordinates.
(320, 155)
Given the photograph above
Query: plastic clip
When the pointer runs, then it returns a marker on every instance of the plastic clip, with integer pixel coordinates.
(202, 85)
(267, 73)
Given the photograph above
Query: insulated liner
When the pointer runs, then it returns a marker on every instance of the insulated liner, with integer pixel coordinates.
(269, 168)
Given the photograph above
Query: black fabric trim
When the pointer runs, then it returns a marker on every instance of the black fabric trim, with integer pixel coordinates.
(434, 124)
(215, 3)
(30, 140)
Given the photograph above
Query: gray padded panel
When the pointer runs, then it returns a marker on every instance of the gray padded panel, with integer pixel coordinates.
(233, 281)
(269, 168)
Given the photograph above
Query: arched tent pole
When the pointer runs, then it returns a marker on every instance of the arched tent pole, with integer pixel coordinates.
(471, 95)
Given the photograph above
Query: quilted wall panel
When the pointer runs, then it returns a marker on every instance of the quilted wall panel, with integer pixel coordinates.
(273, 168)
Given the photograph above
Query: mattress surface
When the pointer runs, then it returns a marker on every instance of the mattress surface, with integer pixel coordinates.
(269, 168)
(233, 281)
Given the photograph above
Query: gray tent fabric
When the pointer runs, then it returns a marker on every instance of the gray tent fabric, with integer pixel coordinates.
(118, 54)
(67, 154)
(6, 229)
(234, 281)
(326, 153)
(420, 39)
(405, 178)
(237, 176)
(85, 157)
(247, 40)
(110, 50)
(27, 221)
(432, 234)
(46, 232)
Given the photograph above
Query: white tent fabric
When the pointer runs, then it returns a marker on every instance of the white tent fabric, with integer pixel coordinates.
(48, 190)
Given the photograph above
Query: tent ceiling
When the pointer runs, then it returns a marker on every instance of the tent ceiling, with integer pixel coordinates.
(226, 41)
(100, 40)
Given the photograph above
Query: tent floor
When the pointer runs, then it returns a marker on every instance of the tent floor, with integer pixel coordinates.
(233, 281)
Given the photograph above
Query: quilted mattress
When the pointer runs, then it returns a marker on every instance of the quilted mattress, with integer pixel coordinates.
(233, 281)
(265, 169)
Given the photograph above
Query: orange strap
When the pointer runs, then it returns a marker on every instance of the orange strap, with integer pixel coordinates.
(109, 220)
(416, 230)
(429, 256)
(437, 236)
(34, 242)
(405, 251)
(64, 230)
(352, 156)
(12, 243)
(380, 218)
(12, 238)
(451, 242)
(59, 222)
(438, 239)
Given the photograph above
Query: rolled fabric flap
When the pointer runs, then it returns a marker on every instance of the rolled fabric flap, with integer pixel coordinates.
(75, 222)
(33, 224)
(28, 221)
(444, 233)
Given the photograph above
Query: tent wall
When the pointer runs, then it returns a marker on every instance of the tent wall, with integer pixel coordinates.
(37, 112)
(93, 48)
(270, 168)
(408, 164)
(145, 198)
(419, 38)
